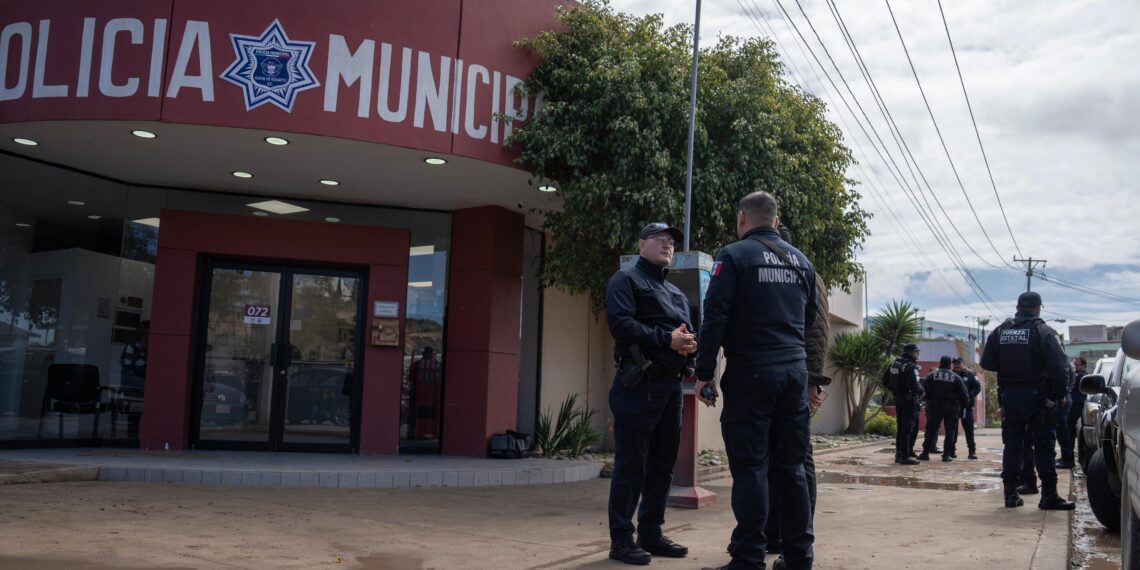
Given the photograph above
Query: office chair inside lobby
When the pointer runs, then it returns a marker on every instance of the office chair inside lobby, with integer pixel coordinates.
(73, 389)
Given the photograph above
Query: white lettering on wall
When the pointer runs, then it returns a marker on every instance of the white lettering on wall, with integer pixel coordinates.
(154, 86)
(83, 83)
(353, 68)
(383, 92)
(38, 88)
(197, 34)
(24, 31)
(107, 84)
(474, 72)
(430, 94)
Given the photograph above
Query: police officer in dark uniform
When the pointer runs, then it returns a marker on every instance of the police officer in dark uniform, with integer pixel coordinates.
(1032, 380)
(1076, 408)
(654, 348)
(945, 397)
(903, 381)
(973, 388)
(1065, 434)
(760, 300)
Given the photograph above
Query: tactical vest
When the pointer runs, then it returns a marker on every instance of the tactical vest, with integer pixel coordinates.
(1017, 351)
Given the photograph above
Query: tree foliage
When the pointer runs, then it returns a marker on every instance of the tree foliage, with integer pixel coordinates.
(612, 135)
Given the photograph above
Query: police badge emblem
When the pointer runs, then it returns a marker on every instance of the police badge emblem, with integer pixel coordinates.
(271, 68)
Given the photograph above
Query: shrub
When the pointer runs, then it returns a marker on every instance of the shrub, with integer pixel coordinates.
(881, 424)
(569, 432)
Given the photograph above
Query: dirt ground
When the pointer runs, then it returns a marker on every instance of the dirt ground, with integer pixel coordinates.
(872, 514)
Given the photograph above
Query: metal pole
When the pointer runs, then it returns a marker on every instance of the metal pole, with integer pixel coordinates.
(692, 126)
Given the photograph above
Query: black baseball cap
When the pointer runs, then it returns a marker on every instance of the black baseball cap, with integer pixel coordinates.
(910, 348)
(1029, 300)
(658, 227)
(957, 360)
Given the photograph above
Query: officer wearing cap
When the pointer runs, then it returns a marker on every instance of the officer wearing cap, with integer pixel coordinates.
(945, 397)
(653, 349)
(1032, 381)
(902, 379)
(760, 300)
(973, 388)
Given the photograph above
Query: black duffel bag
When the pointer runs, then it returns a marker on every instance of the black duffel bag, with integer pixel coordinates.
(510, 445)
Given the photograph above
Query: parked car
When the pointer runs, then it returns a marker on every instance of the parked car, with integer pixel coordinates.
(223, 400)
(320, 395)
(1114, 469)
(1088, 438)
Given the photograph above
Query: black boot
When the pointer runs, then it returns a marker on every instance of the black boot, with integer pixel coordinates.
(1065, 463)
(1027, 488)
(1051, 501)
(972, 455)
(924, 456)
(780, 564)
(662, 546)
(947, 458)
(628, 552)
(1012, 499)
(907, 461)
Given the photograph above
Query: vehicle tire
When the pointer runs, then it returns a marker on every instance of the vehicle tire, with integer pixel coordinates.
(1083, 454)
(1105, 504)
(1129, 531)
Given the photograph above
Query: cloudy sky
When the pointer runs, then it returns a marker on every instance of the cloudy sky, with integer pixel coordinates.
(1055, 91)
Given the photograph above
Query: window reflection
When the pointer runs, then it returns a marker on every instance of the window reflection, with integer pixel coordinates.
(421, 401)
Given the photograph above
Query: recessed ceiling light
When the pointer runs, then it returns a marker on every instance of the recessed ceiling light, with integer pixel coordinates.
(152, 222)
(76, 203)
(328, 182)
(422, 250)
(547, 188)
(262, 214)
(241, 174)
(23, 225)
(276, 141)
(143, 134)
(419, 284)
(278, 207)
(94, 217)
(25, 142)
(435, 161)
(332, 220)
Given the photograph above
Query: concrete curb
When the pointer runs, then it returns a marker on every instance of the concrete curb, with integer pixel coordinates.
(53, 475)
(852, 446)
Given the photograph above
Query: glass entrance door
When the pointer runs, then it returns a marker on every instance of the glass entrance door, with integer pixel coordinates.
(277, 353)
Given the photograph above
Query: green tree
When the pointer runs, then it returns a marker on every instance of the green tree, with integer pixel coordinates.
(612, 135)
(862, 357)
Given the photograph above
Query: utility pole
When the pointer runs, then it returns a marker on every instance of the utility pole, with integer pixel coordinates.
(1029, 265)
(692, 126)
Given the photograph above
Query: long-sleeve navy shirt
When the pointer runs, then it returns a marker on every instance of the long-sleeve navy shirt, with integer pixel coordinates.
(757, 305)
(643, 308)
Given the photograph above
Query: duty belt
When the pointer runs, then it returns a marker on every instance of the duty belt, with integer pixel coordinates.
(657, 371)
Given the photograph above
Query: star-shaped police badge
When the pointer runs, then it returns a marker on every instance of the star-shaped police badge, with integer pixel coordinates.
(271, 68)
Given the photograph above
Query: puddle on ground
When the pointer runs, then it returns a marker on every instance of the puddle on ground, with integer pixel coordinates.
(1094, 548)
(21, 563)
(904, 482)
(389, 562)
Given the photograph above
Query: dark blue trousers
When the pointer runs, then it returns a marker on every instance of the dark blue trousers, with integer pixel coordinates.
(647, 432)
(765, 429)
(941, 413)
(775, 537)
(1025, 417)
(968, 428)
(906, 412)
(1065, 434)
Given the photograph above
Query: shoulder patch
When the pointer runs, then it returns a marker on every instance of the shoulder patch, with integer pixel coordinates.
(716, 268)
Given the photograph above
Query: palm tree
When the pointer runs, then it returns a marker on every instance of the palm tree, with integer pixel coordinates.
(859, 357)
(982, 325)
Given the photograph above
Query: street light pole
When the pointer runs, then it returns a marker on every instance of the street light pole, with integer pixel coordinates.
(692, 126)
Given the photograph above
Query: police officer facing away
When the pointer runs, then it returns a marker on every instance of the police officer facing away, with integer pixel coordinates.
(903, 381)
(945, 397)
(760, 300)
(653, 349)
(973, 388)
(1032, 380)
(1068, 437)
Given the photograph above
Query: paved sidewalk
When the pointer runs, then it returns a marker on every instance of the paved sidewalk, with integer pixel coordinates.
(872, 515)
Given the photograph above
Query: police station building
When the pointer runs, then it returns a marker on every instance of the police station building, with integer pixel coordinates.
(280, 226)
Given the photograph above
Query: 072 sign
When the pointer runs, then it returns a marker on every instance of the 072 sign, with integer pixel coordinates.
(257, 314)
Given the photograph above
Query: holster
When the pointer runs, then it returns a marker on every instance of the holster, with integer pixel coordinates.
(633, 371)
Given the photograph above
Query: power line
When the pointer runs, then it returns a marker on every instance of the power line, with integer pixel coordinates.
(1088, 290)
(977, 133)
(943, 241)
(1030, 264)
(938, 130)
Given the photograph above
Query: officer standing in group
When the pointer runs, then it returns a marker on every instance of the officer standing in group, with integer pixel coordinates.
(653, 349)
(973, 388)
(1076, 408)
(760, 300)
(945, 397)
(1033, 379)
(903, 380)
